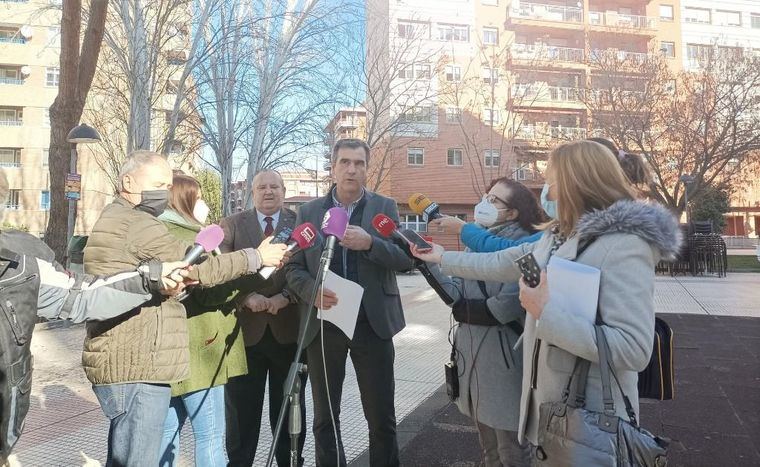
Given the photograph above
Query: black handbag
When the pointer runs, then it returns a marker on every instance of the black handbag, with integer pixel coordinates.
(658, 379)
(570, 435)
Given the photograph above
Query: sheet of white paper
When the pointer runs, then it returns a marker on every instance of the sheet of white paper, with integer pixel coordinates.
(574, 287)
(346, 312)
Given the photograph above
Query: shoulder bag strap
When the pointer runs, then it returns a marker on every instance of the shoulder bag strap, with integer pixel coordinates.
(604, 370)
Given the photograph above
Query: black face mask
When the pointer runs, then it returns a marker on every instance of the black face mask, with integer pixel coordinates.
(154, 202)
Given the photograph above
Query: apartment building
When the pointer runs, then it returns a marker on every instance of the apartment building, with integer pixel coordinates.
(29, 76)
(730, 26)
(509, 78)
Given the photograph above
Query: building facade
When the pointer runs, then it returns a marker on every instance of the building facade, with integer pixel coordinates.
(29, 77)
(730, 26)
(508, 80)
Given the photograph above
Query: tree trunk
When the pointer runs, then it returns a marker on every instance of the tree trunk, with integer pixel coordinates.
(77, 72)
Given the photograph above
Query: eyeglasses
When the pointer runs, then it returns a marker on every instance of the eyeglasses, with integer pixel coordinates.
(493, 198)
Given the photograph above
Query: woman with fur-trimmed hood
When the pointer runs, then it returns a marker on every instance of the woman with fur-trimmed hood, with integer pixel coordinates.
(594, 206)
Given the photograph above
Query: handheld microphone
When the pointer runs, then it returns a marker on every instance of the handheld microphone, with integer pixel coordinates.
(302, 238)
(421, 204)
(207, 240)
(334, 227)
(387, 229)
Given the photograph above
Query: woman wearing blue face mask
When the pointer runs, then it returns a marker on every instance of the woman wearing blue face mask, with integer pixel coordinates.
(479, 240)
(489, 323)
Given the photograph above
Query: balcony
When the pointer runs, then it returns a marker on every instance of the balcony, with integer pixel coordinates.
(636, 58)
(530, 93)
(11, 122)
(543, 12)
(348, 123)
(543, 132)
(550, 53)
(13, 81)
(618, 21)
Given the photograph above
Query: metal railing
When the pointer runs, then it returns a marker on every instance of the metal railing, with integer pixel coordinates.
(11, 122)
(619, 20)
(539, 132)
(10, 164)
(13, 40)
(547, 93)
(545, 12)
(547, 52)
(11, 81)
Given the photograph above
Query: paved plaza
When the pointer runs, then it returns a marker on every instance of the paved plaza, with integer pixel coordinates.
(65, 422)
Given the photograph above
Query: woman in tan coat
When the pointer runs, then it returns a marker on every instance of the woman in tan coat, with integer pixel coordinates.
(593, 205)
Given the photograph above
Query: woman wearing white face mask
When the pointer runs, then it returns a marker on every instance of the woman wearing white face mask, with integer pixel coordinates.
(217, 352)
(490, 321)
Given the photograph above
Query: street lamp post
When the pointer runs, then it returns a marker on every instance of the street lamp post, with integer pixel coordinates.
(80, 134)
(687, 180)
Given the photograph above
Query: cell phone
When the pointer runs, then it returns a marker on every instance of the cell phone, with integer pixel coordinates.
(530, 270)
(283, 235)
(415, 239)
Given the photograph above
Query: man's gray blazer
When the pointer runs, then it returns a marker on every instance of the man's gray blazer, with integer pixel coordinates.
(376, 268)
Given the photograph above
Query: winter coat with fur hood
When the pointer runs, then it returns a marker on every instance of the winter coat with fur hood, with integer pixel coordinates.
(629, 238)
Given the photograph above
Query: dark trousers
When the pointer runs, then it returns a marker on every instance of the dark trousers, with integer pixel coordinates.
(373, 361)
(244, 401)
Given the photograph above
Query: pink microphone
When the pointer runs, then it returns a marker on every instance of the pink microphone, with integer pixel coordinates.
(208, 239)
(334, 226)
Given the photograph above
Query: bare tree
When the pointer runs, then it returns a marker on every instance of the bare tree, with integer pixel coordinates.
(294, 79)
(702, 122)
(76, 74)
(396, 89)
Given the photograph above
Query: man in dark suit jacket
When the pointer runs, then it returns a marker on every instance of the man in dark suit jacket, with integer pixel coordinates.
(371, 261)
(269, 322)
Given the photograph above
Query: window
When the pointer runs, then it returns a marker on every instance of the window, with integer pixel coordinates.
(414, 222)
(45, 200)
(45, 157)
(407, 72)
(453, 115)
(697, 15)
(668, 49)
(698, 52)
(177, 148)
(522, 171)
(10, 157)
(52, 76)
(732, 53)
(10, 117)
(12, 35)
(454, 157)
(54, 35)
(490, 36)
(491, 158)
(422, 71)
(728, 18)
(417, 114)
(14, 199)
(415, 156)
(453, 73)
(46, 118)
(405, 30)
(453, 32)
(491, 75)
(491, 116)
(666, 12)
(755, 20)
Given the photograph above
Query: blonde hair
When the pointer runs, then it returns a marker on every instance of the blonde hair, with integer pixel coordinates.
(587, 176)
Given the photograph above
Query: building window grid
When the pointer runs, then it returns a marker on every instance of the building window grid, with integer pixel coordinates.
(453, 115)
(45, 157)
(491, 116)
(668, 49)
(14, 199)
(415, 156)
(45, 200)
(454, 32)
(491, 158)
(11, 117)
(666, 12)
(453, 73)
(754, 20)
(490, 75)
(414, 222)
(697, 15)
(728, 18)
(454, 157)
(490, 36)
(52, 76)
(10, 157)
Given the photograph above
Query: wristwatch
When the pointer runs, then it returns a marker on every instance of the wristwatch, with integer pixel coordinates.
(291, 299)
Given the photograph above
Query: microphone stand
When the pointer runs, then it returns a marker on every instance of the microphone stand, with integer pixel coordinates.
(292, 386)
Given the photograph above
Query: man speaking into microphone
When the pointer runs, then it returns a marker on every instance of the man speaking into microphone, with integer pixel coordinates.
(370, 261)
